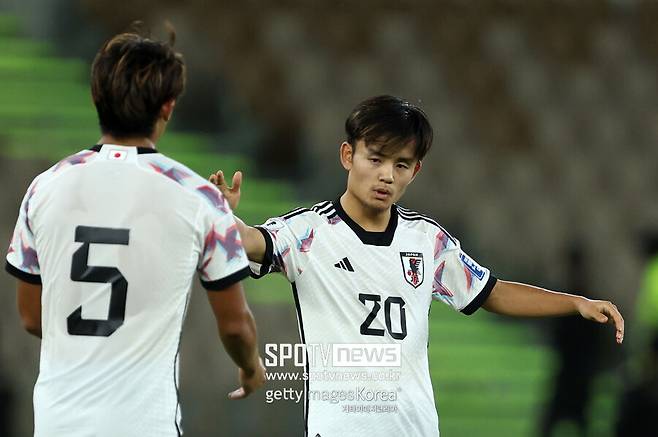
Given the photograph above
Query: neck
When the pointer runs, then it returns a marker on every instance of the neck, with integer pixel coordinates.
(128, 141)
(370, 219)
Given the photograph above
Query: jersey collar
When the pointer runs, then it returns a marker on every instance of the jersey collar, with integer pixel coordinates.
(370, 238)
(140, 150)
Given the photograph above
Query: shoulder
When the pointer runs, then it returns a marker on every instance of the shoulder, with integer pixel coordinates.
(317, 214)
(187, 179)
(41, 180)
(411, 219)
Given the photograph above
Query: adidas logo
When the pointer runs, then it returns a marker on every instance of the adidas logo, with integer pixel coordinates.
(344, 264)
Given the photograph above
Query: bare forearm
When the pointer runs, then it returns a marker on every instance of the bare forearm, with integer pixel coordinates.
(515, 299)
(36, 331)
(241, 341)
(252, 241)
(28, 299)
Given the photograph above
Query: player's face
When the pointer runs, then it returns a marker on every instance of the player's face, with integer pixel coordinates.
(378, 176)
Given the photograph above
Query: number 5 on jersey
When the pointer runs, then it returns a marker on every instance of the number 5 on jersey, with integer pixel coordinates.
(82, 272)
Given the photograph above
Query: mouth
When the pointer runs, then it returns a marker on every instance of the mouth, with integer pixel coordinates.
(382, 193)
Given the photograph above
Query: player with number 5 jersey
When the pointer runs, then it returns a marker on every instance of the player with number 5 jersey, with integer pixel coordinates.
(105, 248)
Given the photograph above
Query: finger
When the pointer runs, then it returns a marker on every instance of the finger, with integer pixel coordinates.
(217, 178)
(616, 318)
(237, 394)
(237, 181)
(601, 318)
(220, 178)
(618, 321)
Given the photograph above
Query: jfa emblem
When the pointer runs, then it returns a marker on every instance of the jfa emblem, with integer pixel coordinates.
(412, 267)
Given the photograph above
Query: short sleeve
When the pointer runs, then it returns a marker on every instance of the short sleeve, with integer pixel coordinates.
(223, 260)
(287, 242)
(459, 281)
(22, 259)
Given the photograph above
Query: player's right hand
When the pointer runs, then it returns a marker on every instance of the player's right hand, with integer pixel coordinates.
(231, 194)
(603, 312)
(249, 381)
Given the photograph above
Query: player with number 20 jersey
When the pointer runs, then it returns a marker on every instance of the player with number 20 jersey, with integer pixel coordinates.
(352, 286)
(365, 271)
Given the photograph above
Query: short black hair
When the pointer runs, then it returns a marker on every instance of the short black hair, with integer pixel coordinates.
(131, 78)
(392, 121)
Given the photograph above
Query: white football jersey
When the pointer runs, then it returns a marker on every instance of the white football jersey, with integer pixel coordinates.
(115, 235)
(361, 293)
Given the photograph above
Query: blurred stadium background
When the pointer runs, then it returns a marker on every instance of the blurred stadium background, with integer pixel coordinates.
(544, 165)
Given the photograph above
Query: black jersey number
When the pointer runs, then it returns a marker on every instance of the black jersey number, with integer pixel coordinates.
(391, 300)
(82, 272)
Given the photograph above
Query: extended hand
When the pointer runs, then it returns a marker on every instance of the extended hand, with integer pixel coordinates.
(231, 194)
(249, 381)
(603, 312)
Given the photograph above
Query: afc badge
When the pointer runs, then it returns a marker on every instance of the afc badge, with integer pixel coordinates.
(412, 268)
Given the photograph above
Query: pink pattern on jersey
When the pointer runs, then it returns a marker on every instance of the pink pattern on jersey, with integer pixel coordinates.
(11, 248)
(173, 173)
(335, 220)
(440, 244)
(229, 242)
(279, 263)
(213, 196)
(305, 242)
(469, 278)
(30, 260)
(437, 285)
(27, 206)
(29, 197)
(78, 158)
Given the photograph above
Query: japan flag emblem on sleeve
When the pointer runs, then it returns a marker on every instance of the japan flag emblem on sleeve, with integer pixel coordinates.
(413, 268)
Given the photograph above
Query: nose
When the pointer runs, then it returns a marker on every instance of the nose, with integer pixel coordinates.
(386, 173)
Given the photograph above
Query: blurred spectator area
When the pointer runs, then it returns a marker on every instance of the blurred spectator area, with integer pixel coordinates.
(545, 112)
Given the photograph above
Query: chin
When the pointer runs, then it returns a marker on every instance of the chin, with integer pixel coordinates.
(380, 205)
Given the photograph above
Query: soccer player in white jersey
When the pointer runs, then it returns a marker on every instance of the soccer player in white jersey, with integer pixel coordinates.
(365, 271)
(105, 249)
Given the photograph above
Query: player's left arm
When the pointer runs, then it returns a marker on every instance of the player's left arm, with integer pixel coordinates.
(28, 297)
(516, 299)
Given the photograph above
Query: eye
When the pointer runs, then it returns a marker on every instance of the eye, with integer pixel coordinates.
(375, 160)
(403, 166)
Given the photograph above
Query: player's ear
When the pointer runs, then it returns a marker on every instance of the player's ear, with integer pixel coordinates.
(346, 155)
(417, 168)
(167, 109)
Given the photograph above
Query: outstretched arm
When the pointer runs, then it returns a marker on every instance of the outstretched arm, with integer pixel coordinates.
(252, 240)
(515, 299)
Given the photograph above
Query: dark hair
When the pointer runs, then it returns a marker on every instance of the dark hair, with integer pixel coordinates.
(131, 78)
(391, 121)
